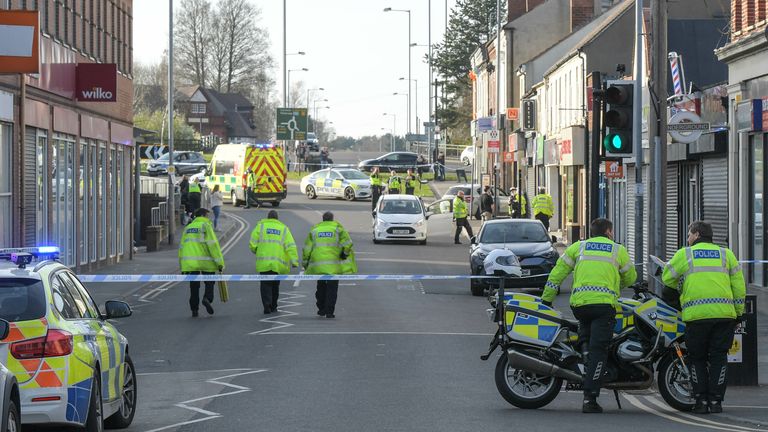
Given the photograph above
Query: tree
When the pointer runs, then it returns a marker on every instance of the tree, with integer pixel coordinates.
(156, 121)
(150, 84)
(193, 36)
(471, 25)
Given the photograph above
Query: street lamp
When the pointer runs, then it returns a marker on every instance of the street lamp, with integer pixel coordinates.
(391, 134)
(289, 83)
(312, 90)
(297, 53)
(394, 128)
(415, 100)
(314, 109)
(408, 11)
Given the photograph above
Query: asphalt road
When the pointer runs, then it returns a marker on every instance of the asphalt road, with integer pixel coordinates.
(399, 356)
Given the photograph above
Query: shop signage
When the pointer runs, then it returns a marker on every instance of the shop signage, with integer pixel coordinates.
(19, 42)
(686, 127)
(513, 114)
(96, 82)
(614, 170)
(566, 148)
(509, 157)
(485, 124)
(539, 150)
(493, 141)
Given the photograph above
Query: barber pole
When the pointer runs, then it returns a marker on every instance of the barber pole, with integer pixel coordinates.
(677, 81)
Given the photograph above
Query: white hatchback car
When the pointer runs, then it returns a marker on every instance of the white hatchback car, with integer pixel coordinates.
(400, 218)
(468, 156)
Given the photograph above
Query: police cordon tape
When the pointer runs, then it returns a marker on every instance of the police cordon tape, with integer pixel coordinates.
(129, 278)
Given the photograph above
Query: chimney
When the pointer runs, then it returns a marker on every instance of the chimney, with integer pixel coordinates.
(582, 12)
(518, 8)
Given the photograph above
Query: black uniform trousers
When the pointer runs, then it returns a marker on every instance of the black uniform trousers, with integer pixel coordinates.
(194, 201)
(462, 223)
(375, 195)
(544, 219)
(326, 295)
(194, 290)
(708, 342)
(596, 324)
(270, 291)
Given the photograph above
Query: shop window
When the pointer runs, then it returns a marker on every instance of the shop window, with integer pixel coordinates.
(757, 272)
(63, 196)
(103, 182)
(84, 191)
(6, 225)
(93, 220)
(43, 184)
(114, 180)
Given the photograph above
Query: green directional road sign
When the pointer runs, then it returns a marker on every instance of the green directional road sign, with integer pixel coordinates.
(292, 124)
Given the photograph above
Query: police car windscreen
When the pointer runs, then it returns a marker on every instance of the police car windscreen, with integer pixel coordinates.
(514, 233)
(21, 299)
(353, 175)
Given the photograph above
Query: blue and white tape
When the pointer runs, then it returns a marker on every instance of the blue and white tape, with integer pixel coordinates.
(129, 278)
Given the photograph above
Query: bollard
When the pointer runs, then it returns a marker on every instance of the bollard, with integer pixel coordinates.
(742, 357)
(154, 236)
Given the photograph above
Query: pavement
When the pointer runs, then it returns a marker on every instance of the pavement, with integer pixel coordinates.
(399, 356)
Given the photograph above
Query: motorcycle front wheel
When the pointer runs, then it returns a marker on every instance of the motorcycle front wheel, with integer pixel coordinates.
(525, 389)
(675, 383)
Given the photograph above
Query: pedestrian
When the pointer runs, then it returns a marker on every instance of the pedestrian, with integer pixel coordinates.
(184, 191)
(275, 250)
(460, 215)
(421, 165)
(441, 166)
(200, 253)
(712, 298)
(487, 204)
(324, 158)
(328, 251)
(543, 207)
(394, 183)
(301, 150)
(195, 196)
(517, 204)
(376, 187)
(410, 183)
(250, 192)
(600, 269)
(217, 200)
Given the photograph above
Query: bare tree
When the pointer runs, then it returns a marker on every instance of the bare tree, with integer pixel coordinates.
(193, 36)
(149, 86)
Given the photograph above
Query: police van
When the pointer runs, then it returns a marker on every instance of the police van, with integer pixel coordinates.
(229, 168)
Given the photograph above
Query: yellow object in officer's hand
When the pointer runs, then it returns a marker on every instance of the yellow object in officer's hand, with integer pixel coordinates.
(223, 291)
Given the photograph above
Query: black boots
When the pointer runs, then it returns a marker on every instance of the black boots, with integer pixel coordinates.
(702, 408)
(591, 406)
(716, 407)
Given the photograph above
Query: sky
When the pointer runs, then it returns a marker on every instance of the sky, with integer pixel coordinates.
(354, 50)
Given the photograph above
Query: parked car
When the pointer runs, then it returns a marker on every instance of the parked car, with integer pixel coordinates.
(73, 366)
(527, 239)
(313, 144)
(347, 183)
(400, 217)
(468, 156)
(10, 403)
(184, 162)
(502, 204)
(398, 161)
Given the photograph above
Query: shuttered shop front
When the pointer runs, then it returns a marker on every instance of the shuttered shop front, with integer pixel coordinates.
(715, 197)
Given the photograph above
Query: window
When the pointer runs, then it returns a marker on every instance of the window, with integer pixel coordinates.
(62, 186)
(757, 275)
(198, 108)
(6, 225)
(63, 302)
(103, 183)
(43, 183)
(114, 179)
(94, 176)
(84, 190)
(224, 167)
(21, 299)
(93, 310)
(333, 175)
(83, 309)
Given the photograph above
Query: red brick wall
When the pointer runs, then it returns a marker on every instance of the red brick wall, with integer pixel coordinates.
(582, 12)
(747, 17)
(518, 8)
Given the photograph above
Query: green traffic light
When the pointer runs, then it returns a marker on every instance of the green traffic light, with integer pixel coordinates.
(615, 143)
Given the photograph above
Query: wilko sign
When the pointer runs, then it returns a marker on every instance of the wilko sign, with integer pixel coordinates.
(96, 82)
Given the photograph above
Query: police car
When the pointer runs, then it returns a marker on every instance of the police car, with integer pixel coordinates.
(347, 183)
(9, 392)
(72, 365)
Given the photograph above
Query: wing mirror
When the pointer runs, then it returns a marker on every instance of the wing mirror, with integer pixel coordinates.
(429, 214)
(554, 239)
(5, 328)
(473, 240)
(117, 309)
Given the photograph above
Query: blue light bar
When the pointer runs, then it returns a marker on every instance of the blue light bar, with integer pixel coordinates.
(48, 249)
(43, 252)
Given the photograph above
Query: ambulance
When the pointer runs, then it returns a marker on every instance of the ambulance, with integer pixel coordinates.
(229, 166)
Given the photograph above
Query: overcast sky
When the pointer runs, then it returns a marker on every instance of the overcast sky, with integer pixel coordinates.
(353, 49)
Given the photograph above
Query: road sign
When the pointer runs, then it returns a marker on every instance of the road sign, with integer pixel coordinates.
(292, 124)
(509, 157)
(153, 151)
(686, 127)
(485, 124)
(493, 141)
(416, 137)
(614, 170)
(513, 114)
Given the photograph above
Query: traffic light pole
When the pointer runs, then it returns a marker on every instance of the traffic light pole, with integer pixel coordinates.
(594, 155)
(637, 137)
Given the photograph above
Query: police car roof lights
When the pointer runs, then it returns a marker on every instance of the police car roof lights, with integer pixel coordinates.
(24, 256)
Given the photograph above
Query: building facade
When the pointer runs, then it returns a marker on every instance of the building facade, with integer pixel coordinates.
(67, 166)
(227, 117)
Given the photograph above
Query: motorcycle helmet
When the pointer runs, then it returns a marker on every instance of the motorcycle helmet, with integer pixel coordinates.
(502, 262)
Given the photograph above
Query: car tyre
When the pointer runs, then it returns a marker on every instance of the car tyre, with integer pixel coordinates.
(14, 418)
(349, 194)
(465, 161)
(124, 416)
(311, 193)
(423, 242)
(477, 289)
(95, 420)
(275, 203)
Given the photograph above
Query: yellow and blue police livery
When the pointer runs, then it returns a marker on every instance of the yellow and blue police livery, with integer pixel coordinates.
(347, 183)
(72, 365)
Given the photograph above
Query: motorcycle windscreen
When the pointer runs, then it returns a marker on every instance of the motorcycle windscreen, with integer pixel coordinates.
(525, 327)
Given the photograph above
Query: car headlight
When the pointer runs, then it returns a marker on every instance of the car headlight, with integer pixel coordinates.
(550, 254)
(381, 222)
(420, 223)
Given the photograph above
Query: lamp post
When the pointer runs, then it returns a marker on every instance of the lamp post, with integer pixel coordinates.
(171, 195)
(415, 100)
(314, 109)
(308, 92)
(402, 94)
(288, 98)
(408, 11)
(394, 128)
(391, 134)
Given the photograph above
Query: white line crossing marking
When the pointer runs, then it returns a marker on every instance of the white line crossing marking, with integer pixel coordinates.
(274, 320)
(654, 400)
(210, 414)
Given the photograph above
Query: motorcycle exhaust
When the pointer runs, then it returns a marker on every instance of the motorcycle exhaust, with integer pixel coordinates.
(633, 385)
(526, 362)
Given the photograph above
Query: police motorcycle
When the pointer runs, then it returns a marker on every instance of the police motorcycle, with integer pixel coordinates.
(540, 349)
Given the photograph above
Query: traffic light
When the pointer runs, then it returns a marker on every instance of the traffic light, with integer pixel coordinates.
(618, 118)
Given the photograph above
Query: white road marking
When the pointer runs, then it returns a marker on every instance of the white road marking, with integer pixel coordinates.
(311, 209)
(268, 332)
(274, 320)
(297, 282)
(663, 407)
(185, 372)
(416, 261)
(210, 414)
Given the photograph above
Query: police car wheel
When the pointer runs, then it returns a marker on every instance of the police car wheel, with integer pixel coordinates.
(95, 420)
(311, 194)
(14, 419)
(124, 416)
(349, 194)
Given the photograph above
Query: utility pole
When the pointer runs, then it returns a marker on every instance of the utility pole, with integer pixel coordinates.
(171, 195)
(430, 131)
(285, 53)
(657, 125)
(637, 138)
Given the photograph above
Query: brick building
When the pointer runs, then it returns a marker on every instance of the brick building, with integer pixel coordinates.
(66, 166)
(227, 116)
(747, 58)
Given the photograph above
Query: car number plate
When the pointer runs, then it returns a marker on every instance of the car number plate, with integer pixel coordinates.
(399, 231)
(526, 272)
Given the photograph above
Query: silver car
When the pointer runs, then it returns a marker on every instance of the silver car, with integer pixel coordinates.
(502, 203)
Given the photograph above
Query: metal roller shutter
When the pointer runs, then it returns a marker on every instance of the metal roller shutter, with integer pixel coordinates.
(630, 209)
(715, 197)
(30, 187)
(672, 211)
(530, 188)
